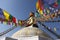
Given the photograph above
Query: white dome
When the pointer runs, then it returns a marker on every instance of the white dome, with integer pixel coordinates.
(29, 31)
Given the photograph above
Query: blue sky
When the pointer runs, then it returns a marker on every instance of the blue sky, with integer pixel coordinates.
(21, 9)
(18, 8)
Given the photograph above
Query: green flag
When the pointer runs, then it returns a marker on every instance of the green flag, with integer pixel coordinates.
(58, 1)
(10, 17)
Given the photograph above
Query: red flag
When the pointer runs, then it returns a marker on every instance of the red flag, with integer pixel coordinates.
(40, 4)
(14, 20)
(55, 5)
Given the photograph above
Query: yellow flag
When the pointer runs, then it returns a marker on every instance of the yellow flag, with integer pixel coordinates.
(54, 29)
(48, 11)
(38, 8)
(6, 14)
(4, 22)
(20, 23)
(41, 12)
(37, 5)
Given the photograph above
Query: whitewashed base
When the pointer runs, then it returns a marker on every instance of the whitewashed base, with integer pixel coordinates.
(33, 38)
(28, 38)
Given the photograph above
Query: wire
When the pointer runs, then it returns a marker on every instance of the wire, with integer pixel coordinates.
(52, 21)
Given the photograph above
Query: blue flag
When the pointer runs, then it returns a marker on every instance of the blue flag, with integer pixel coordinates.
(1, 14)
